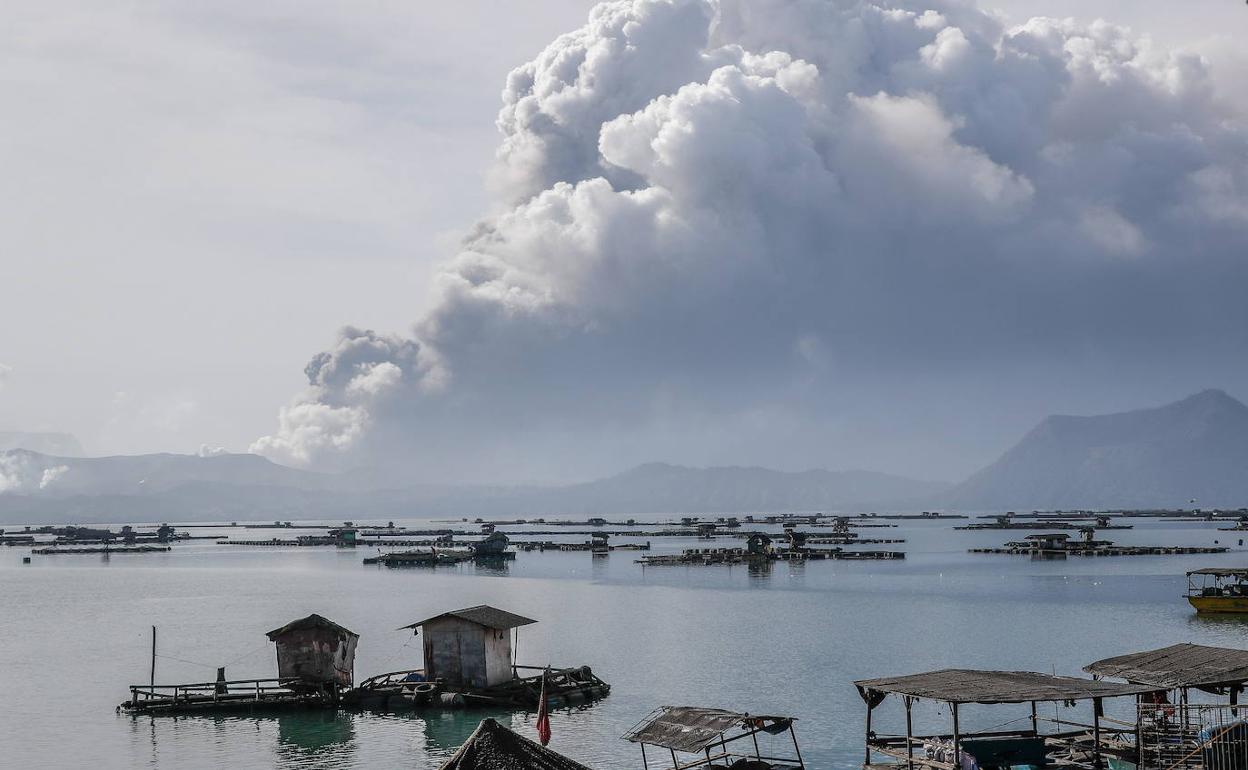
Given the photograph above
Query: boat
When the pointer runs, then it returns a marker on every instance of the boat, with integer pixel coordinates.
(1218, 589)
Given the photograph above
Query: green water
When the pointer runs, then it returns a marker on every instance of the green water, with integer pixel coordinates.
(75, 631)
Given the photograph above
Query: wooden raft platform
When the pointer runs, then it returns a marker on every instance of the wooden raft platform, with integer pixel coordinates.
(708, 556)
(1114, 550)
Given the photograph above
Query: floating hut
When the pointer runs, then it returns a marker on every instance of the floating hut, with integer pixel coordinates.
(315, 653)
(494, 747)
(1072, 744)
(469, 661)
(708, 732)
(1174, 731)
(471, 646)
(315, 661)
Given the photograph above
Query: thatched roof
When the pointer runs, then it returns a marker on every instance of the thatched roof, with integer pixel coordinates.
(954, 685)
(1179, 665)
(493, 747)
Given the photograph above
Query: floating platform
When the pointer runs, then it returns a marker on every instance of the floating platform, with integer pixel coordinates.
(1111, 550)
(103, 549)
(408, 690)
(708, 556)
(528, 546)
(436, 558)
(1045, 525)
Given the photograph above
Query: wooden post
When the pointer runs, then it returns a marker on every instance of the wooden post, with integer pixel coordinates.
(644, 764)
(754, 736)
(152, 682)
(1139, 731)
(1096, 732)
(1234, 700)
(1035, 722)
(675, 762)
(909, 733)
(957, 739)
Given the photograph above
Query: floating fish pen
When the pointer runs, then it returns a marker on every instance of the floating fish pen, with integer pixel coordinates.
(435, 557)
(852, 540)
(709, 556)
(1059, 544)
(315, 663)
(469, 661)
(57, 550)
(1008, 522)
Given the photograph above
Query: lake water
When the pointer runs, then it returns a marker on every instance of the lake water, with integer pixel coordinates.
(75, 631)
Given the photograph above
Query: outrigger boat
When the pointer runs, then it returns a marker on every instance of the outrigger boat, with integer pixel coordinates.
(1218, 589)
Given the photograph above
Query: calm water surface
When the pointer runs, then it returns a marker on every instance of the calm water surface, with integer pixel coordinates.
(75, 631)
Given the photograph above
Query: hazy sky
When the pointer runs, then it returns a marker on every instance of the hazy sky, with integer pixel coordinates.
(898, 269)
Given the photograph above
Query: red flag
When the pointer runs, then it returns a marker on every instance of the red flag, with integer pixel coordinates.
(543, 716)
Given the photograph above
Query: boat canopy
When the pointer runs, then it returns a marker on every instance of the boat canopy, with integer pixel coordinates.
(1179, 665)
(956, 685)
(694, 729)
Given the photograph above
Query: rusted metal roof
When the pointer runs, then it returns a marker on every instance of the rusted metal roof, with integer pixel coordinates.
(482, 614)
(693, 729)
(311, 621)
(1179, 665)
(494, 747)
(955, 685)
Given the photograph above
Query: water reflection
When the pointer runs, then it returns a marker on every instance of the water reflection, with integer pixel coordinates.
(446, 731)
(310, 739)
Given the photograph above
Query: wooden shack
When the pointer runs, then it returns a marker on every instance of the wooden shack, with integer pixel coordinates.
(315, 653)
(470, 647)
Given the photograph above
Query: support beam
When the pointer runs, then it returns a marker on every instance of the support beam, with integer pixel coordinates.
(1035, 720)
(957, 739)
(867, 741)
(1097, 708)
(909, 734)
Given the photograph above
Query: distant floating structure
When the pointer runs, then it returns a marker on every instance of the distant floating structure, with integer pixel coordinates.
(1060, 544)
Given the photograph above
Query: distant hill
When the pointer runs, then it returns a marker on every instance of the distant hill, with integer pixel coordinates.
(37, 488)
(1196, 448)
(61, 444)
(34, 473)
(659, 487)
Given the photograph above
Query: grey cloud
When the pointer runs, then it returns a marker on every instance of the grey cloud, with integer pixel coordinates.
(740, 218)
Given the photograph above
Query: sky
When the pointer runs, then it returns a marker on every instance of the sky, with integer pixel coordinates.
(812, 233)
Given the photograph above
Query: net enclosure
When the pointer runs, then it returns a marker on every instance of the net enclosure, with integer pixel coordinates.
(1177, 666)
(957, 685)
(694, 729)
